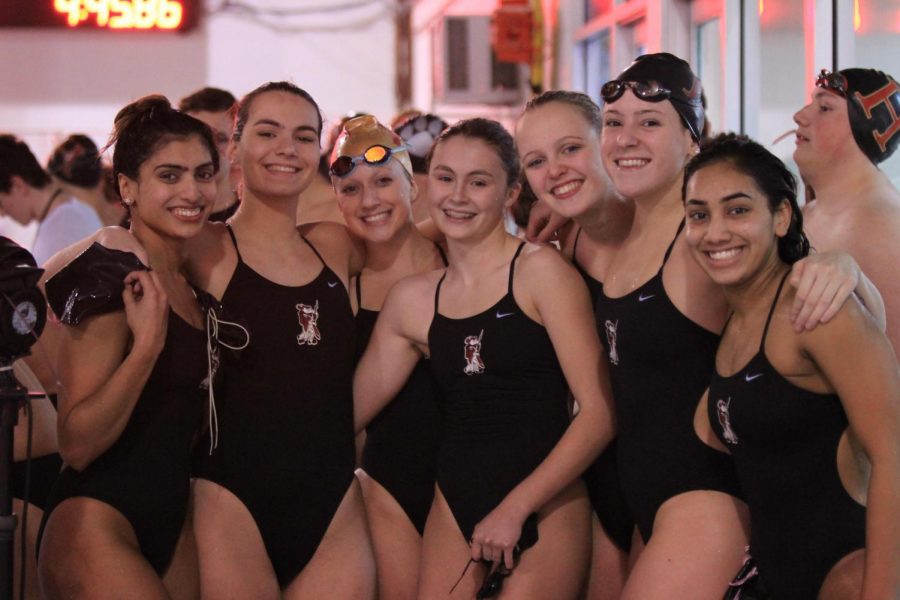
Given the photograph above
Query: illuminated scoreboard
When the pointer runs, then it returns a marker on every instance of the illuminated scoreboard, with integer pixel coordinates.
(122, 15)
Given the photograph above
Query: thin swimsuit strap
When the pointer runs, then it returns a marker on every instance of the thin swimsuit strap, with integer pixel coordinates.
(672, 244)
(575, 245)
(512, 268)
(762, 342)
(241, 259)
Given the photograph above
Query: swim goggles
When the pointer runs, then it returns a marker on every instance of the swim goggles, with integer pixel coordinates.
(374, 155)
(650, 91)
(834, 82)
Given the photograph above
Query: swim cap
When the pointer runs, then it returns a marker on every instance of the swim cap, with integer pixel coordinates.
(418, 132)
(361, 133)
(873, 105)
(675, 75)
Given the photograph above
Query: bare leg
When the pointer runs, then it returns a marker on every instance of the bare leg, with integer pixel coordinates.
(182, 578)
(609, 565)
(696, 548)
(555, 568)
(232, 557)
(108, 563)
(396, 542)
(845, 580)
(343, 567)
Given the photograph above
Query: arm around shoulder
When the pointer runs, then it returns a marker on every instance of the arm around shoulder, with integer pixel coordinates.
(398, 342)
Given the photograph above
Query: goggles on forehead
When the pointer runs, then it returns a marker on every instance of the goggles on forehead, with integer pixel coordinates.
(374, 155)
(834, 82)
(650, 91)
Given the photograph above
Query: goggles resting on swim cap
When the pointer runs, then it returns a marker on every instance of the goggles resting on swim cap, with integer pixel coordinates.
(658, 77)
(650, 91)
(833, 82)
(374, 156)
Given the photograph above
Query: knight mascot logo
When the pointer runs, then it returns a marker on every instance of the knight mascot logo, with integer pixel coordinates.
(474, 364)
(725, 421)
(309, 330)
(611, 340)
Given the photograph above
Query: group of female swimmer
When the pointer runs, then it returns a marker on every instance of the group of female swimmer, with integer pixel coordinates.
(467, 353)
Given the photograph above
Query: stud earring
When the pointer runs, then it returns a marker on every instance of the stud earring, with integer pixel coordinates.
(128, 201)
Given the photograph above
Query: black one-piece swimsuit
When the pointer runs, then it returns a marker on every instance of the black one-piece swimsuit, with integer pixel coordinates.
(285, 413)
(504, 401)
(784, 441)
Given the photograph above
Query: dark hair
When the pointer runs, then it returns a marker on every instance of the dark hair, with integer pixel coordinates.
(243, 107)
(582, 102)
(16, 159)
(76, 161)
(521, 208)
(209, 99)
(143, 126)
(768, 173)
(491, 133)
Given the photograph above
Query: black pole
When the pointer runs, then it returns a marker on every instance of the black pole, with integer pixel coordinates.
(12, 396)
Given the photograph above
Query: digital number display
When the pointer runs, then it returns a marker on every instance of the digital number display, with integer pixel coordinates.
(128, 15)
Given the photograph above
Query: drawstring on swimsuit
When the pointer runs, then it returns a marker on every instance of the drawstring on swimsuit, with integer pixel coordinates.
(212, 362)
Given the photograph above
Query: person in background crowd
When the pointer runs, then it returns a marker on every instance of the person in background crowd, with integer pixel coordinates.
(216, 108)
(418, 132)
(27, 193)
(76, 167)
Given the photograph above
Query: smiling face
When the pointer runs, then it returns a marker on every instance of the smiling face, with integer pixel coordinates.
(375, 200)
(278, 152)
(175, 189)
(823, 133)
(730, 228)
(644, 146)
(560, 154)
(468, 188)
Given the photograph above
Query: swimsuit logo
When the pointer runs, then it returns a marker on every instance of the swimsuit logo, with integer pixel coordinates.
(309, 329)
(725, 421)
(331, 284)
(472, 345)
(611, 341)
(643, 298)
(748, 377)
(501, 315)
(882, 96)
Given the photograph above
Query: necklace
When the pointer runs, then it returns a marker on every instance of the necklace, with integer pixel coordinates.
(48, 205)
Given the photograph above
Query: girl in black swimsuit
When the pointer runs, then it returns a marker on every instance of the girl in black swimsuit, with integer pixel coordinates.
(811, 419)
(131, 401)
(502, 324)
(398, 459)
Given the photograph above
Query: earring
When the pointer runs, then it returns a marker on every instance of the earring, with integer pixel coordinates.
(128, 201)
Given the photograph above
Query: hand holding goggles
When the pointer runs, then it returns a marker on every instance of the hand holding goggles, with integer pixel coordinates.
(374, 155)
(650, 91)
(834, 82)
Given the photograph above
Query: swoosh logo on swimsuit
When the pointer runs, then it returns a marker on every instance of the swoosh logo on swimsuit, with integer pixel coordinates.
(643, 298)
(331, 284)
(749, 377)
(501, 315)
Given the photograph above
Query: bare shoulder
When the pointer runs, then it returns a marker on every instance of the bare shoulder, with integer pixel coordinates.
(409, 306)
(415, 289)
(334, 242)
